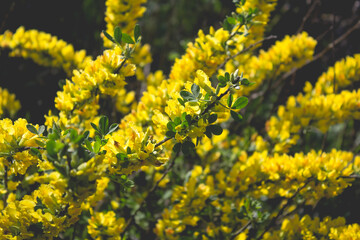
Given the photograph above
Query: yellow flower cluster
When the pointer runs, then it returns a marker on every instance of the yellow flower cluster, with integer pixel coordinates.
(348, 232)
(44, 49)
(319, 106)
(105, 225)
(14, 137)
(307, 228)
(286, 54)
(311, 176)
(42, 215)
(343, 73)
(8, 104)
(105, 76)
(125, 13)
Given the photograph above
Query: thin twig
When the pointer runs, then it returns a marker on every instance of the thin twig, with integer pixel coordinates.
(240, 230)
(307, 15)
(142, 204)
(324, 51)
(244, 50)
(289, 201)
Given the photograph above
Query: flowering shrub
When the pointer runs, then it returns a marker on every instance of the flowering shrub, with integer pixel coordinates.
(183, 161)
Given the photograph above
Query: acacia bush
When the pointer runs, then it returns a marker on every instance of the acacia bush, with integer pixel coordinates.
(218, 148)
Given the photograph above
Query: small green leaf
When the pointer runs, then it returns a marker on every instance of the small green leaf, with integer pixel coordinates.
(137, 32)
(236, 116)
(181, 101)
(121, 156)
(208, 132)
(127, 39)
(195, 89)
(177, 120)
(227, 76)
(32, 129)
(94, 126)
(177, 147)
(231, 20)
(187, 95)
(128, 150)
(230, 100)
(97, 146)
(227, 26)
(41, 129)
(113, 128)
(222, 79)
(117, 34)
(171, 126)
(212, 118)
(108, 36)
(240, 103)
(104, 125)
(170, 134)
(215, 129)
(187, 147)
(88, 145)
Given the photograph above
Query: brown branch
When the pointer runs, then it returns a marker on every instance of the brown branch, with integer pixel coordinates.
(307, 15)
(288, 203)
(324, 51)
(233, 236)
(143, 203)
(243, 51)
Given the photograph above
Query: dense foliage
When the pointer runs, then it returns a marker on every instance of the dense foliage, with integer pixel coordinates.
(218, 148)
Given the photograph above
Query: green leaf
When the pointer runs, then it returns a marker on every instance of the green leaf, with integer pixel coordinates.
(108, 36)
(117, 34)
(240, 103)
(231, 20)
(171, 126)
(230, 100)
(50, 148)
(212, 118)
(177, 147)
(187, 95)
(97, 146)
(170, 134)
(137, 32)
(32, 129)
(127, 39)
(113, 128)
(187, 147)
(195, 89)
(181, 101)
(222, 79)
(121, 156)
(215, 129)
(227, 76)
(208, 132)
(104, 125)
(128, 150)
(88, 145)
(177, 120)
(236, 116)
(41, 129)
(94, 126)
(227, 26)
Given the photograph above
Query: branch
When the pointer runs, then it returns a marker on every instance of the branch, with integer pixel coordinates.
(243, 51)
(289, 201)
(307, 15)
(324, 51)
(143, 203)
(233, 236)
